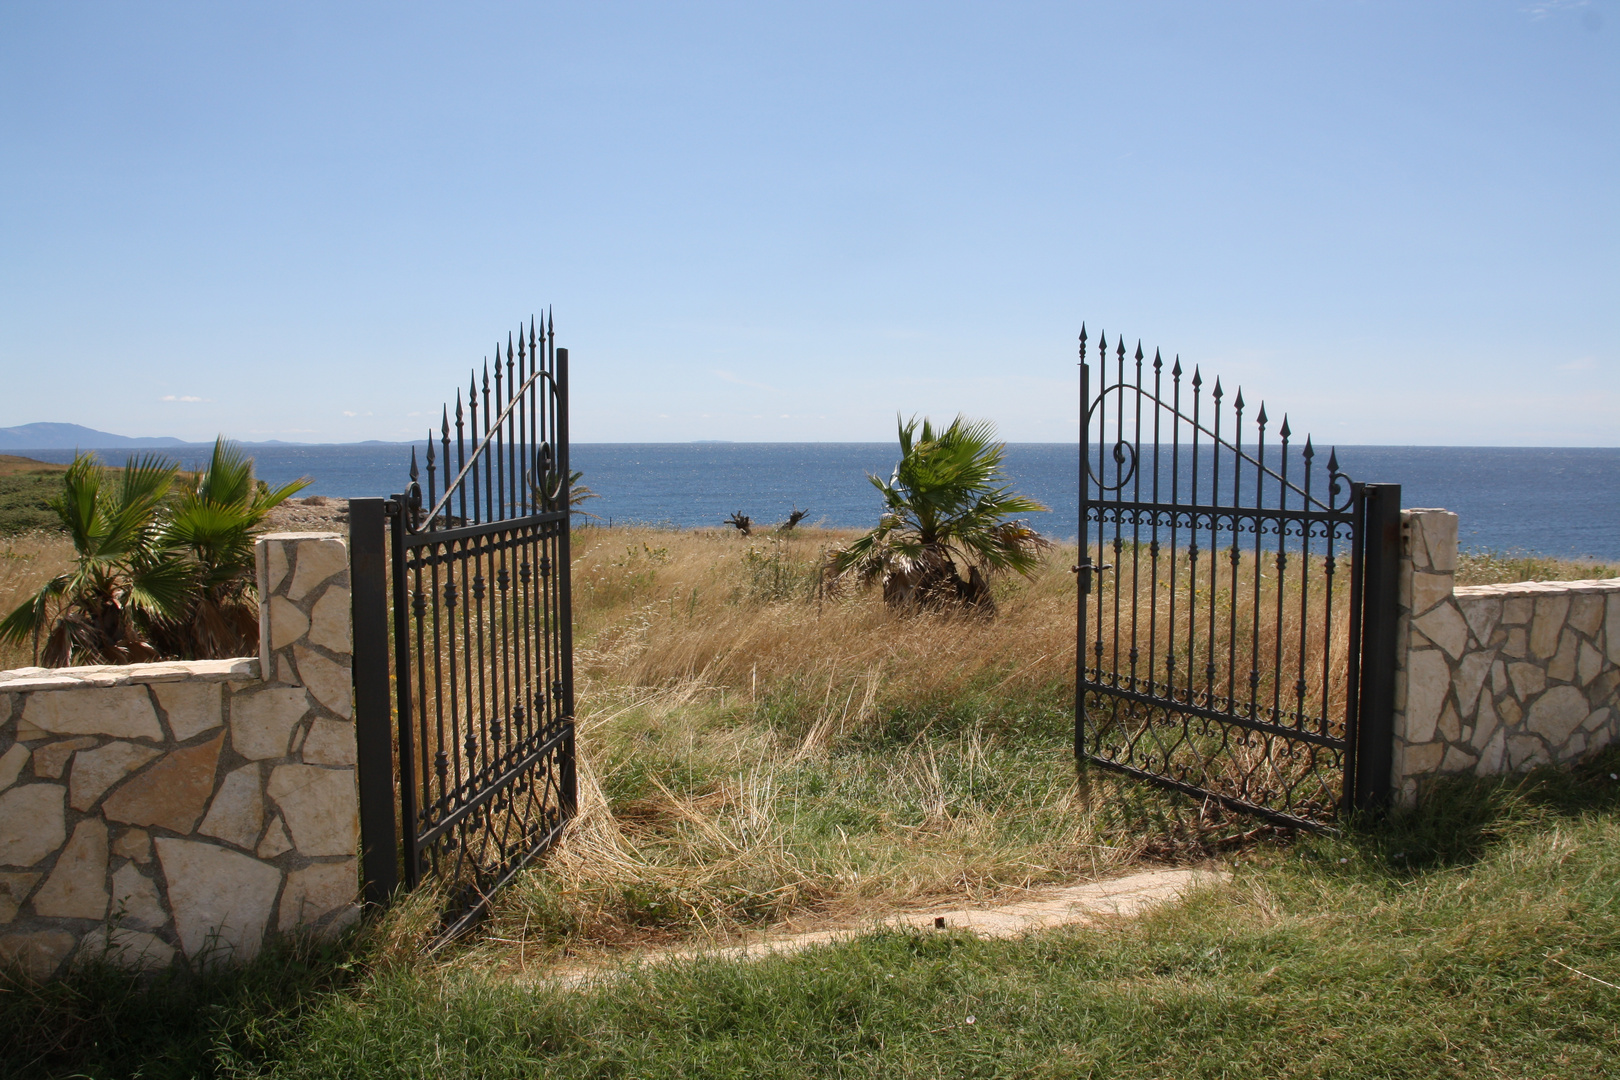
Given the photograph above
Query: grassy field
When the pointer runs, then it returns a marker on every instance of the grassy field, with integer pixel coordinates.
(756, 753)
(25, 487)
(753, 752)
(1504, 568)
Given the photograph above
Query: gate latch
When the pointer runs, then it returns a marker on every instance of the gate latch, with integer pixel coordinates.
(1085, 570)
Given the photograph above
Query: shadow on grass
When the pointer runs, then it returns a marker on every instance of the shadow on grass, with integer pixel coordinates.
(105, 1022)
(1457, 819)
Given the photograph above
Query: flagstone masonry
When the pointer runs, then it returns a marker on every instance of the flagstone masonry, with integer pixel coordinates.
(1497, 678)
(151, 811)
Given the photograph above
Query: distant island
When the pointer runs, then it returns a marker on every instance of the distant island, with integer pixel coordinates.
(79, 437)
(72, 436)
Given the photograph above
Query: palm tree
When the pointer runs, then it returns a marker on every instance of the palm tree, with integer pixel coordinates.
(946, 510)
(212, 522)
(126, 577)
(551, 483)
(578, 493)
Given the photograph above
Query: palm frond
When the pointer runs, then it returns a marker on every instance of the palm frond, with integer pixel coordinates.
(29, 618)
(78, 501)
(161, 585)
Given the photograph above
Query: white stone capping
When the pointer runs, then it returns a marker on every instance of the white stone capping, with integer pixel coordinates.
(1540, 588)
(187, 808)
(1497, 678)
(18, 680)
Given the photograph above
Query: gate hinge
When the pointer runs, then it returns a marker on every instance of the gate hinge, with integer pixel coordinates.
(391, 507)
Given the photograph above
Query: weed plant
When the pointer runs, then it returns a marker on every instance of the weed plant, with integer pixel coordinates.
(754, 751)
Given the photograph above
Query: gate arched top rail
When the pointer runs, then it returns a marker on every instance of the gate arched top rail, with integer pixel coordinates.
(1226, 652)
(522, 423)
(1127, 453)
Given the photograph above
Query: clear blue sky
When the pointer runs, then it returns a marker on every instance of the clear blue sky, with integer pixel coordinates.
(761, 221)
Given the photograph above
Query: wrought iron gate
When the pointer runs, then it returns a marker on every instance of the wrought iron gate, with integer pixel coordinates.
(1235, 631)
(463, 633)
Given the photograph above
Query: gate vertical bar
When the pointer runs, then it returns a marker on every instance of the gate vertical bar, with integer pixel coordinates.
(1375, 720)
(374, 741)
(1083, 569)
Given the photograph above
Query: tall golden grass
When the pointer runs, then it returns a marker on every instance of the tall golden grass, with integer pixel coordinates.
(753, 751)
(739, 615)
(27, 562)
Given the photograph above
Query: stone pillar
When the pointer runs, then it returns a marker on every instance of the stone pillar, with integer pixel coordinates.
(1430, 631)
(305, 656)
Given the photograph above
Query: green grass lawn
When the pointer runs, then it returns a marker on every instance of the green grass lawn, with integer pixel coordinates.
(1480, 937)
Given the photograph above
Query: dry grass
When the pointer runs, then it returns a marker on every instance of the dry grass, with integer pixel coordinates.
(754, 753)
(27, 562)
(739, 614)
(1505, 568)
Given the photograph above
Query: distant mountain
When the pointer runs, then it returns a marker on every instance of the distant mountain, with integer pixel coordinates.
(74, 437)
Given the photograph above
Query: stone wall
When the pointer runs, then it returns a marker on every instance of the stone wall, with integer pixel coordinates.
(186, 808)
(1497, 678)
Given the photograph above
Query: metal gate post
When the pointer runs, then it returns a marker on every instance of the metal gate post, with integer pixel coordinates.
(373, 735)
(1375, 720)
(1082, 569)
(565, 587)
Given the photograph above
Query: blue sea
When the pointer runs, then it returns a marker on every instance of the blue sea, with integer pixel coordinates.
(1552, 501)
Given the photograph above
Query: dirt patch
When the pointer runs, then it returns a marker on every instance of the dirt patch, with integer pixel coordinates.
(317, 513)
(1088, 904)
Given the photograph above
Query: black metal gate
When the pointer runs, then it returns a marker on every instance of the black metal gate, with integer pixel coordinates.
(1237, 605)
(475, 665)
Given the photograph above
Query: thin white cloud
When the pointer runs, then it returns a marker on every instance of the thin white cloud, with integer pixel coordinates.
(181, 397)
(726, 376)
(1543, 9)
(1582, 363)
